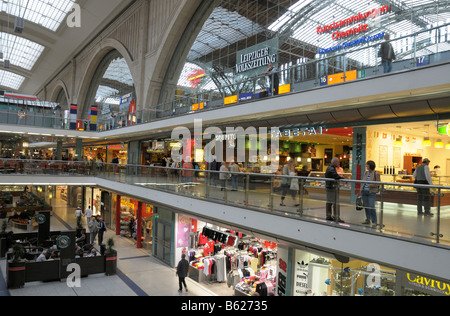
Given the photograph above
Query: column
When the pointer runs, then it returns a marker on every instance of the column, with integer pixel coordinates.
(358, 159)
(118, 215)
(59, 149)
(139, 212)
(78, 149)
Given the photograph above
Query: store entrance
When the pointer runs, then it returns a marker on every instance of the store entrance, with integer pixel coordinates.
(163, 238)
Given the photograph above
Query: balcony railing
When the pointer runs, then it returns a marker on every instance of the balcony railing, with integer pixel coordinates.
(395, 203)
(415, 50)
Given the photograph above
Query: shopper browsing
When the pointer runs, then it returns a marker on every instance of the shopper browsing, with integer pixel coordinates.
(422, 176)
(369, 191)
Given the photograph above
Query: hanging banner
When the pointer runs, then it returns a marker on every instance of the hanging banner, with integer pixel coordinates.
(94, 112)
(73, 116)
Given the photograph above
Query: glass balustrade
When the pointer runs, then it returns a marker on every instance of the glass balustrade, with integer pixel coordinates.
(313, 199)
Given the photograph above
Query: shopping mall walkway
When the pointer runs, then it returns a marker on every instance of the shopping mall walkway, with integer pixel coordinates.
(138, 273)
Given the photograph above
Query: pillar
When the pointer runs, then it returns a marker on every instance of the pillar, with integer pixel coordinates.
(78, 149)
(118, 215)
(358, 159)
(59, 149)
(139, 212)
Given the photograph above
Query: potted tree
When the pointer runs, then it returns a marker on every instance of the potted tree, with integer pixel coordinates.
(15, 270)
(110, 258)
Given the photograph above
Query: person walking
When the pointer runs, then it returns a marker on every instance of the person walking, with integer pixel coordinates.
(274, 79)
(387, 54)
(78, 212)
(422, 176)
(288, 170)
(331, 207)
(182, 272)
(88, 213)
(93, 229)
(368, 192)
(101, 230)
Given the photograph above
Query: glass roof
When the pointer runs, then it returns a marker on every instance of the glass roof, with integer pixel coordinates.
(297, 21)
(20, 51)
(49, 14)
(10, 80)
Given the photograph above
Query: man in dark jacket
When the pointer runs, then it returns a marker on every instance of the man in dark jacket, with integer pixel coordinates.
(182, 272)
(331, 173)
(387, 54)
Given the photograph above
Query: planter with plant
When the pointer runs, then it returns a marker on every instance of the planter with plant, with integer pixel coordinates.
(15, 270)
(110, 258)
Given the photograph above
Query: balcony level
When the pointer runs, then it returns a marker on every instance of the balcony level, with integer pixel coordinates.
(418, 92)
(402, 240)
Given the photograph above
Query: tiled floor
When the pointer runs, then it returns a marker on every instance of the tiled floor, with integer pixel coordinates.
(139, 274)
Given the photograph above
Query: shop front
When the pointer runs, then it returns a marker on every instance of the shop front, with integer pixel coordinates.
(133, 220)
(398, 149)
(227, 262)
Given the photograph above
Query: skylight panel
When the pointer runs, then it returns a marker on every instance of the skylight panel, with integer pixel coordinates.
(11, 80)
(292, 11)
(49, 14)
(20, 51)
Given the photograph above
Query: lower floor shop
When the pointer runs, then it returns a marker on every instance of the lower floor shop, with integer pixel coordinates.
(229, 262)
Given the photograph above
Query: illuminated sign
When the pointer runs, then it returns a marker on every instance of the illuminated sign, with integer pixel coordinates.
(360, 17)
(196, 77)
(361, 28)
(445, 130)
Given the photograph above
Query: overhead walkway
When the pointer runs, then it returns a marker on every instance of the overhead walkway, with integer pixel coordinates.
(401, 240)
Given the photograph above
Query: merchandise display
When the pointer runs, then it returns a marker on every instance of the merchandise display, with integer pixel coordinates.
(245, 264)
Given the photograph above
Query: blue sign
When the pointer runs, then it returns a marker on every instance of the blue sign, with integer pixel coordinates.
(323, 81)
(423, 61)
(246, 97)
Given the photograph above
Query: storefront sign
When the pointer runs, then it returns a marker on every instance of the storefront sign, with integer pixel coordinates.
(299, 132)
(427, 285)
(283, 272)
(445, 130)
